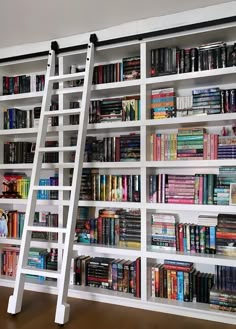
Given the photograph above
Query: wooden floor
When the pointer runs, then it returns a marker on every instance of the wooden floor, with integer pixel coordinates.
(39, 309)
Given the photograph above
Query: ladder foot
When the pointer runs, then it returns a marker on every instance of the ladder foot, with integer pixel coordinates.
(62, 314)
(13, 306)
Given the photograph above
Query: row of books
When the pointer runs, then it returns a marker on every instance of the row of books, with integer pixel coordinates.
(193, 189)
(223, 300)
(111, 149)
(168, 234)
(173, 279)
(225, 278)
(110, 187)
(112, 227)
(191, 144)
(211, 234)
(226, 235)
(46, 219)
(12, 224)
(108, 273)
(115, 109)
(209, 56)
(179, 280)
(14, 118)
(128, 69)
(198, 189)
(23, 84)
(16, 185)
(37, 258)
(23, 152)
(165, 103)
(164, 147)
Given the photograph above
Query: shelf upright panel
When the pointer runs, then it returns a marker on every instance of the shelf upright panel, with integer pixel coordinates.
(143, 170)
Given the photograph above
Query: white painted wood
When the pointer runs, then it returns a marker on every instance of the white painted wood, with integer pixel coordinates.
(61, 171)
(191, 207)
(122, 125)
(25, 201)
(191, 164)
(197, 310)
(62, 309)
(52, 188)
(147, 253)
(168, 19)
(34, 271)
(15, 300)
(212, 120)
(115, 165)
(196, 258)
(34, 243)
(67, 77)
(191, 79)
(37, 94)
(28, 132)
(105, 204)
(58, 149)
(106, 250)
(46, 229)
(106, 87)
(64, 112)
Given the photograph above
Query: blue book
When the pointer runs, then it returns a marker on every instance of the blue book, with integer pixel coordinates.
(180, 285)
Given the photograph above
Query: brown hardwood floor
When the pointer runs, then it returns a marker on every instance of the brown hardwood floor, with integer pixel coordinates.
(38, 312)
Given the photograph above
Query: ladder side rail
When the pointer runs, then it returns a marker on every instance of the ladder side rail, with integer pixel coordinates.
(62, 311)
(15, 300)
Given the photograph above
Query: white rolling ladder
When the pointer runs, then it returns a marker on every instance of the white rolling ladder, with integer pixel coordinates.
(15, 301)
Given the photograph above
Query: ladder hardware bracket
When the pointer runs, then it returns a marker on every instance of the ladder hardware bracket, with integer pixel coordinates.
(54, 46)
(93, 38)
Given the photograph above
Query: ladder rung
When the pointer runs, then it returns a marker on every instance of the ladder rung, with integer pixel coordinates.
(46, 229)
(51, 188)
(34, 271)
(67, 77)
(58, 149)
(63, 112)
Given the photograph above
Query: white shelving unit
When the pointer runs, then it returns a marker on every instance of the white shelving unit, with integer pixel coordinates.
(183, 84)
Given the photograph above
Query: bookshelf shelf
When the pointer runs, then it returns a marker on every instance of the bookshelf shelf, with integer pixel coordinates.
(194, 79)
(124, 164)
(35, 243)
(27, 97)
(190, 207)
(29, 166)
(106, 126)
(107, 89)
(190, 164)
(106, 250)
(193, 121)
(9, 201)
(224, 78)
(113, 204)
(96, 294)
(196, 258)
(196, 310)
(21, 132)
(82, 248)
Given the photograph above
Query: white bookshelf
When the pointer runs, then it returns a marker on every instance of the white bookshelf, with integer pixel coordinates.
(183, 84)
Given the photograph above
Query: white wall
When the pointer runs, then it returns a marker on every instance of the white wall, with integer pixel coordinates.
(141, 26)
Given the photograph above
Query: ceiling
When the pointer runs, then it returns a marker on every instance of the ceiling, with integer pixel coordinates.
(29, 21)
